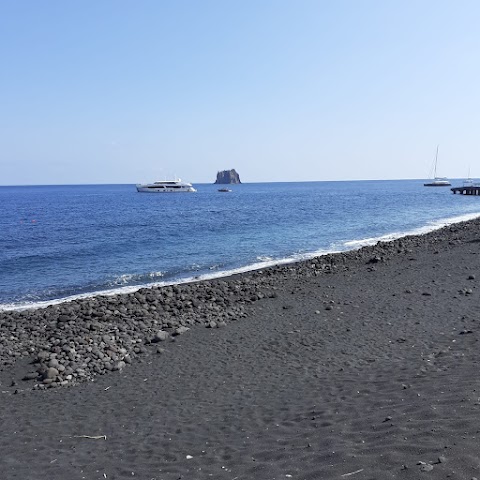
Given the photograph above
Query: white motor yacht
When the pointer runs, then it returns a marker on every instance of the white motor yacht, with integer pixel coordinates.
(166, 186)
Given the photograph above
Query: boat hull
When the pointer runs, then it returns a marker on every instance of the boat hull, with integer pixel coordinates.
(146, 189)
(437, 181)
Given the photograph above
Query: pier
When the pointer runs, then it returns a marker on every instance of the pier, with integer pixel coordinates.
(470, 190)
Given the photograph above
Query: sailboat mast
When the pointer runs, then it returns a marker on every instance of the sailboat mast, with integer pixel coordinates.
(435, 169)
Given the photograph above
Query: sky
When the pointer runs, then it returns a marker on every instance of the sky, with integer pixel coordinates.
(118, 91)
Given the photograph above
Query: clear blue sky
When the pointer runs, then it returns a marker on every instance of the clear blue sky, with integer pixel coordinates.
(117, 91)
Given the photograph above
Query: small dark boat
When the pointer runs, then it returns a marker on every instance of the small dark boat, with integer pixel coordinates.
(224, 190)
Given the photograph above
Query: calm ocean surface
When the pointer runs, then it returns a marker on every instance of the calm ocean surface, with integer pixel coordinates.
(63, 241)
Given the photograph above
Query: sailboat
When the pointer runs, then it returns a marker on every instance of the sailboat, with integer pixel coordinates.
(469, 182)
(437, 181)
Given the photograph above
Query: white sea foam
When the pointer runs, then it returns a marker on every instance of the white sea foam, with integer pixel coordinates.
(264, 262)
(430, 227)
(264, 258)
(130, 277)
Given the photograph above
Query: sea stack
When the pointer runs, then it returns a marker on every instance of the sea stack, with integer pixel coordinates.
(227, 177)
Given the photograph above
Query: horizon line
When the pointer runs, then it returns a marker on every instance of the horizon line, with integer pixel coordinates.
(213, 183)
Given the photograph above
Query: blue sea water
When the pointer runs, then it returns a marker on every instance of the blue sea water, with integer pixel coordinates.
(63, 241)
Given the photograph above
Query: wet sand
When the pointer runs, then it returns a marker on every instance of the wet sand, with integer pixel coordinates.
(352, 366)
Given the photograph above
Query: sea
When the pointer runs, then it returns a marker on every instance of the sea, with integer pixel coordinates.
(63, 242)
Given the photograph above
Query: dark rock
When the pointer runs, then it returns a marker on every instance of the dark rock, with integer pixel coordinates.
(53, 363)
(181, 330)
(426, 468)
(51, 372)
(119, 365)
(43, 356)
(160, 336)
(227, 177)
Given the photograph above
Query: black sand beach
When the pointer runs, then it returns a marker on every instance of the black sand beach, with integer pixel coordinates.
(362, 365)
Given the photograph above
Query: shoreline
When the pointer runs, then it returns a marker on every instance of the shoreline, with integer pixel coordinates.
(362, 363)
(151, 315)
(350, 246)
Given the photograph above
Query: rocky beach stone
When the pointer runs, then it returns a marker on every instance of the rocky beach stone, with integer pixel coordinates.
(51, 372)
(119, 365)
(53, 363)
(160, 336)
(181, 330)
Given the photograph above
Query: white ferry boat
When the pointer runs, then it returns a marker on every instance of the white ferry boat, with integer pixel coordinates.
(166, 186)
